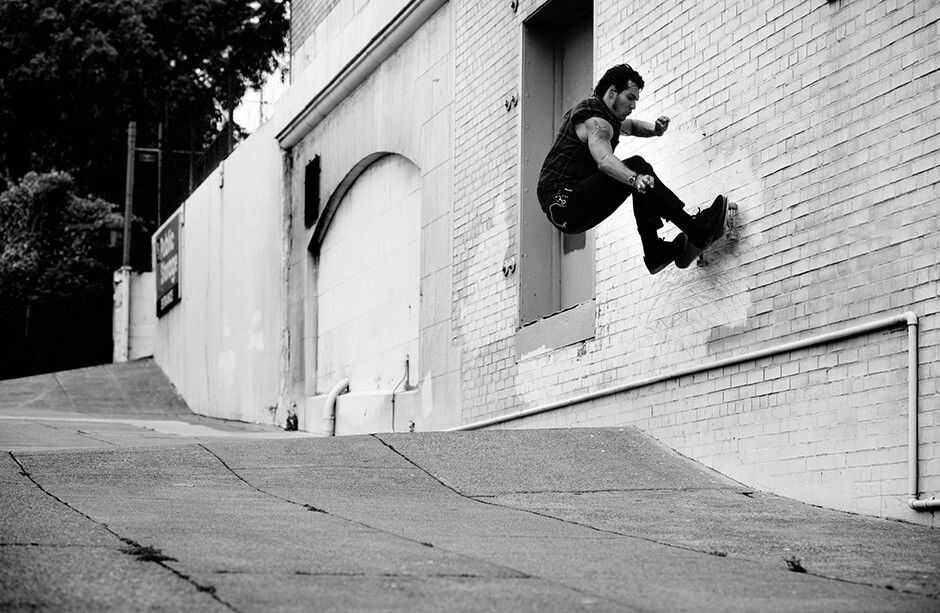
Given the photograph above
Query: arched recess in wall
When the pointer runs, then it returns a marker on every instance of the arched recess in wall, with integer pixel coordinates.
(367, 254)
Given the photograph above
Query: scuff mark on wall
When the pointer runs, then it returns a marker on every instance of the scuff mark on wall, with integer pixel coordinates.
(225, 368)
(256, 339)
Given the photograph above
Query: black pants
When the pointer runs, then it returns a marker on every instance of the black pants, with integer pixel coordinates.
(595, 199)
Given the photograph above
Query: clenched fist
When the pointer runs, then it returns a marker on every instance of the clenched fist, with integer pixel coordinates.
(661, 124)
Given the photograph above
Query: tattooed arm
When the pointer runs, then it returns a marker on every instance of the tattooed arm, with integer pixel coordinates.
(597, 133)
(644, 129)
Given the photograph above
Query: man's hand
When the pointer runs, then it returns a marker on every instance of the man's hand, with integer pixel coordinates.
(644, 182)
(661, 125)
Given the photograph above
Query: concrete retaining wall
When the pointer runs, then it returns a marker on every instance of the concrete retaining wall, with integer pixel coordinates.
(222, 345)
(134, 331)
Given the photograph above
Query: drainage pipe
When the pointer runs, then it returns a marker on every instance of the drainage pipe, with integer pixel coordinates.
(329, 407)
(908, 318)
(913, 398)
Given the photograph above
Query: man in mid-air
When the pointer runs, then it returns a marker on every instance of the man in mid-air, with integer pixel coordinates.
(582, 182)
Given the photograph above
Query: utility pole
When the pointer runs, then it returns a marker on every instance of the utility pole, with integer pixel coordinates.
(230, 130)
(159, 173)
(192, 156)
(129, 190)
(122, 277)
(230, 133)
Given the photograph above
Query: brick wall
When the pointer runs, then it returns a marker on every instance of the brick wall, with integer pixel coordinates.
(820, 119)
(486, 194)
(305, 17)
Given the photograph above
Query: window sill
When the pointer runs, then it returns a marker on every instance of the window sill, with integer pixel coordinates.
(559, 330)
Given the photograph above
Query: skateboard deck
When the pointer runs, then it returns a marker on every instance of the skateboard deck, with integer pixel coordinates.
(724, 227)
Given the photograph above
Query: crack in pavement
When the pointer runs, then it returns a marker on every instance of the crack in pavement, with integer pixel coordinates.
(95, 438)
(515, 573)
(208, 589)
(709, 552)
(306, 573)
(597, 491)
(458, 493)
(309, 507)
(56, 546)
(68, 397)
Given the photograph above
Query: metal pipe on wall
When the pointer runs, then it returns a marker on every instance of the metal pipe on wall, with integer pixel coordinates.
(913, 400)
(908, 318)
(329, 407)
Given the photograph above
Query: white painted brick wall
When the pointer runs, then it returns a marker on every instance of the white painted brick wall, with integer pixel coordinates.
(486, 203)
(821, 120)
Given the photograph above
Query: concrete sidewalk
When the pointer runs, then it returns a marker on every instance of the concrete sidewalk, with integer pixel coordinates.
(113, 513)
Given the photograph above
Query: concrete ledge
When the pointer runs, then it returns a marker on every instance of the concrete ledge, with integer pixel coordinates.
(362, 413)
(556, 331)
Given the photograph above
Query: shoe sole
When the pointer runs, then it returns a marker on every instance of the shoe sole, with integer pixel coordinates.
(691, 251)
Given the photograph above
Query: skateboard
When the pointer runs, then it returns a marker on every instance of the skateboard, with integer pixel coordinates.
(724, 227)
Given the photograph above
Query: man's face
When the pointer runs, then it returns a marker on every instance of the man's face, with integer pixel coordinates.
(623, 103)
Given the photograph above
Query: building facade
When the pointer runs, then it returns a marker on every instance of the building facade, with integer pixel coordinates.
(374, 258)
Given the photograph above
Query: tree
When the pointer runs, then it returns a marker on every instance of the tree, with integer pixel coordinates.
(73, 73)
(56, 260)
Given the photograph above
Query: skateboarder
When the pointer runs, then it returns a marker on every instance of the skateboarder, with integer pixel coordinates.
(582, 183)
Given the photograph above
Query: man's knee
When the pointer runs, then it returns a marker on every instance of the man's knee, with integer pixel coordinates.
(647, 220)
(638, 164)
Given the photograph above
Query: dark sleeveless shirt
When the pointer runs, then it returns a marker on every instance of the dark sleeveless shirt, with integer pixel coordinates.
(569, 161)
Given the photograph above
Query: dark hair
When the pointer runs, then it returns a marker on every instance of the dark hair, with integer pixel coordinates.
(618, 76)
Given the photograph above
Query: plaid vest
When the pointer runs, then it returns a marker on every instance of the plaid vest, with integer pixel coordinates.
(569, 161)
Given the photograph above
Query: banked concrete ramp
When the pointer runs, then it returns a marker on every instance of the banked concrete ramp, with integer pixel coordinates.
(215, 518)
(130, 388)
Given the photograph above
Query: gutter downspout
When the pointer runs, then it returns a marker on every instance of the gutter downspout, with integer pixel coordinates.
(329, 407)
(908, 318)
(913, 401)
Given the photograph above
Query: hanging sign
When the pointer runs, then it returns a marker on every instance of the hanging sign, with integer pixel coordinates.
(167, 245)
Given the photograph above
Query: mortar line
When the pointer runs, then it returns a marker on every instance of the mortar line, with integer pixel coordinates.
(210, 590)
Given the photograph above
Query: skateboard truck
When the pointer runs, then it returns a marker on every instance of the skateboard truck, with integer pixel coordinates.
(723, 225)
(731, 234)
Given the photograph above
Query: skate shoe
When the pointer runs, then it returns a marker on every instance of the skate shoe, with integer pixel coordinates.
(662, 254)
(710, 226)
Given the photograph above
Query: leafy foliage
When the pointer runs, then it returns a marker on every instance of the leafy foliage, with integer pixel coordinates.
(73, 73)
(52, 243)
(56, 261)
